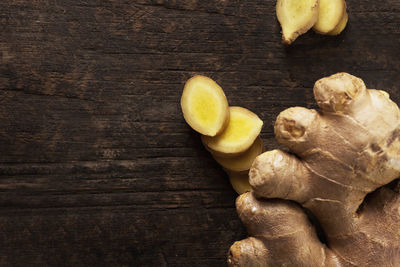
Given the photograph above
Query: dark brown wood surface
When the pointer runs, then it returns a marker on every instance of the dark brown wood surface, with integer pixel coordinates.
(97, 166)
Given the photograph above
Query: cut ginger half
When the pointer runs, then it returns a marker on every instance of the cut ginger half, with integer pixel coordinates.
(204, 105)
(243, 161)
(341, 26)
(240, 182)
(243, 128)
(296, 17)
(330, 15)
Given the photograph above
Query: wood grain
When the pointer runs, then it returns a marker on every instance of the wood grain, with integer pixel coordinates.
(97, 166)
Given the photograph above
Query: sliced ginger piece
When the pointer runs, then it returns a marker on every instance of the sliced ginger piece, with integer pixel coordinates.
(330, 15)
(296, 17)
(204, 105)
(341, 26)
(243, 128)
(243, 161)
(240, 182)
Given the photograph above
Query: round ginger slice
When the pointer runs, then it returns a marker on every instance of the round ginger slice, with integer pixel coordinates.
(204, 106)
(240, 182)
(243, 128)
(243, 161)
(330, 15)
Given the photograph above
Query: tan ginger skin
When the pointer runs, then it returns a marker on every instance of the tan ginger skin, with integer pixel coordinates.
(348, 150)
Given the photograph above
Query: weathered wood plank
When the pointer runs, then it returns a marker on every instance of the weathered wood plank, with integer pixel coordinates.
(97, 166)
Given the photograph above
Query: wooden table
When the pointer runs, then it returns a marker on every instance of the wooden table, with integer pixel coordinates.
(97, 165)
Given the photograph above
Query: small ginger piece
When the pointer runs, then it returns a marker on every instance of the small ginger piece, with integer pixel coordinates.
(243, 161)
(341, 26)
(240, 182)
(330, 15)
(243, 128)
(343, 168)
(204, 105)
(296, 17)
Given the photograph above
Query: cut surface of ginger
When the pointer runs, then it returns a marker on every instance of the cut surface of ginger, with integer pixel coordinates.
(330, 15)
(204, 105)
(341, 26)
(240, 182)
(243, 161)
(243, 128)
(296, 17)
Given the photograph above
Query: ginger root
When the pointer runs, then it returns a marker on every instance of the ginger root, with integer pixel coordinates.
(342, 168)
(204, 105)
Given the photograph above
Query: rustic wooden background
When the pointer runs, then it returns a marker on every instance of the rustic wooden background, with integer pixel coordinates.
(97, 166)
